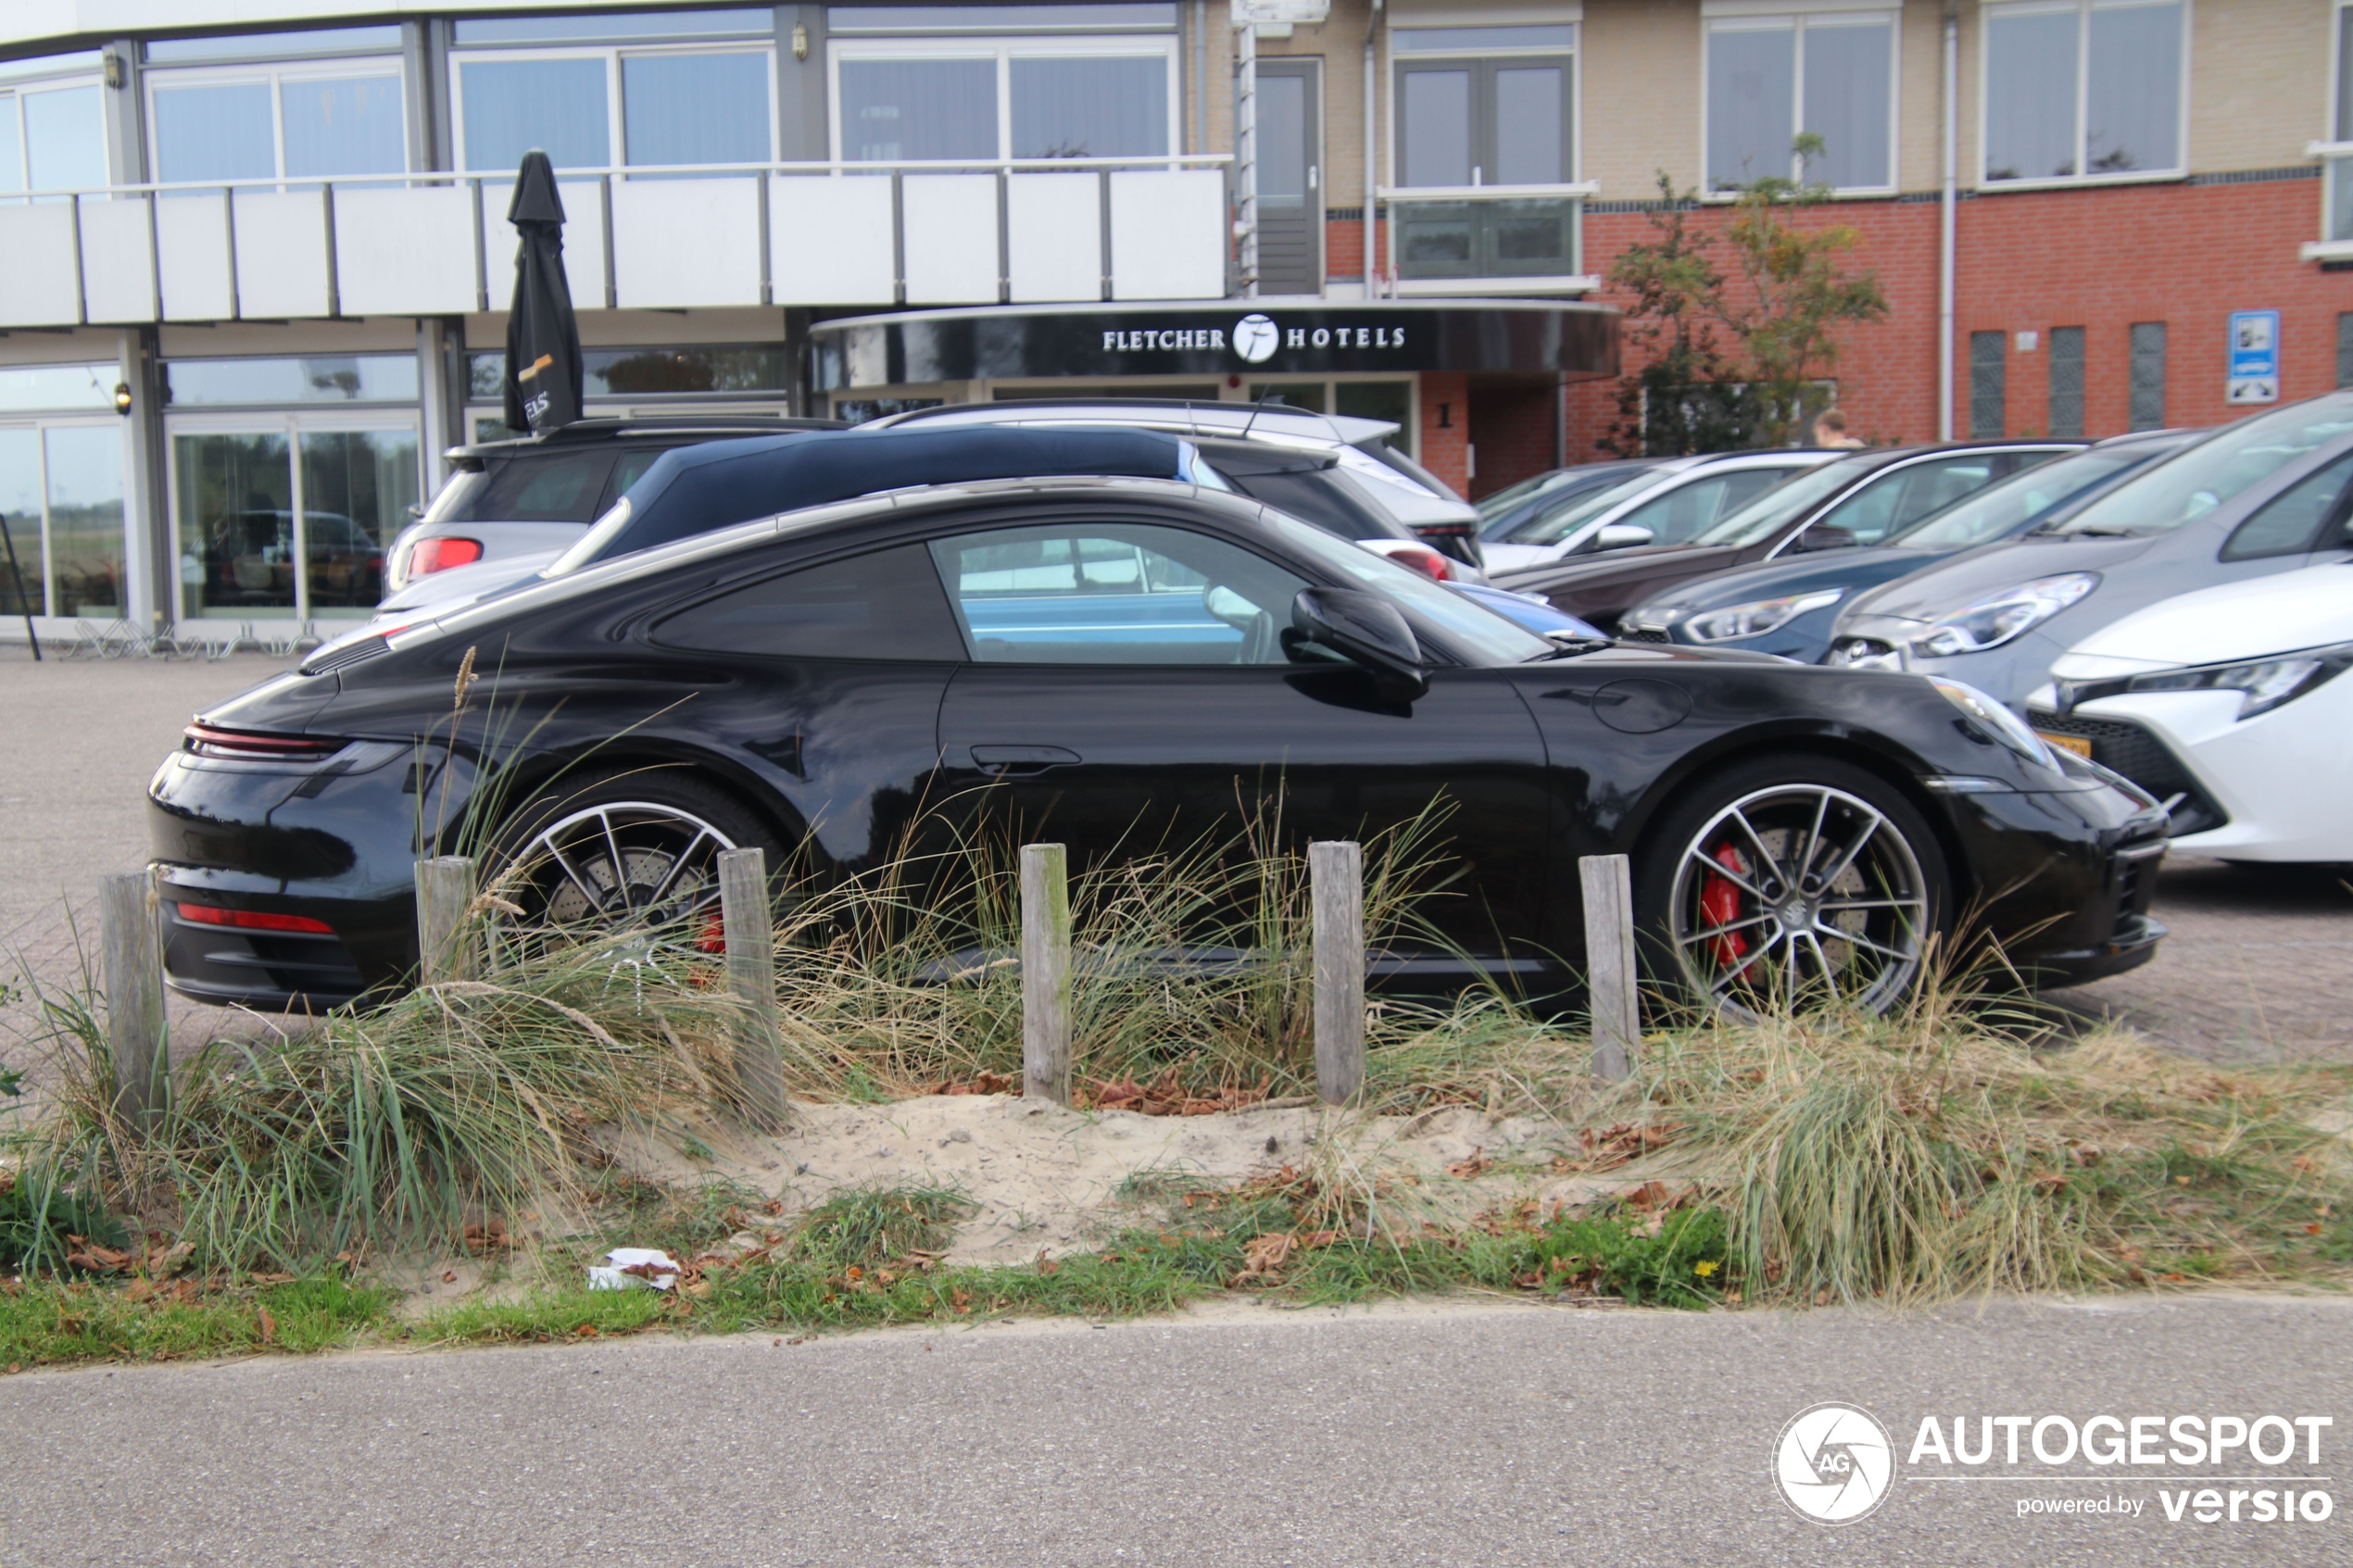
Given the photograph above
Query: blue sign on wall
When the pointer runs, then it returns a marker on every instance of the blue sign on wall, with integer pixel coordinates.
(2254, 356)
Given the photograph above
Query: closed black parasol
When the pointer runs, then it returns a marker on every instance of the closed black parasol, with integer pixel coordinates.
(543, 336)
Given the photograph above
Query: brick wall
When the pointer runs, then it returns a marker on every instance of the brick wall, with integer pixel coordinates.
(1446, 426)
(2101, 260)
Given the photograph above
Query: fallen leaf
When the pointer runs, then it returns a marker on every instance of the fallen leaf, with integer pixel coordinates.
(587, 1331)
(449, 1276)
(268, 1327)
(1467, 1169)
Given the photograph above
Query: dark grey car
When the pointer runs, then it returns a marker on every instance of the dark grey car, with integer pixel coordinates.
(2265, 494)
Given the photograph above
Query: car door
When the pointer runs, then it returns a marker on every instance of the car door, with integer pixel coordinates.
(1129, 687)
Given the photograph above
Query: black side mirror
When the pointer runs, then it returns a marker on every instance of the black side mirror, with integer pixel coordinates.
(1364, 627)
(1822, 536)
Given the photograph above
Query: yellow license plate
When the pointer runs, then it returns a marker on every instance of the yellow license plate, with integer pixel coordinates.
(2075, 744)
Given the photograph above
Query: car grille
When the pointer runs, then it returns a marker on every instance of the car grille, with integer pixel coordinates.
(2126, 747)
(1642, 634)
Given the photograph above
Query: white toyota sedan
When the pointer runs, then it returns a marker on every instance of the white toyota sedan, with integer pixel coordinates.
(2225, 705)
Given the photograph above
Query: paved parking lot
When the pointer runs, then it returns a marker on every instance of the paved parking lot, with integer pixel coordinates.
(2260, 965)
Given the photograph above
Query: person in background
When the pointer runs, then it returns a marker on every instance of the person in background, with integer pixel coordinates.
(1830, 429)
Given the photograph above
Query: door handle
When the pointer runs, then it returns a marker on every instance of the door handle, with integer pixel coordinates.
(1021, 761)
(1311, 176)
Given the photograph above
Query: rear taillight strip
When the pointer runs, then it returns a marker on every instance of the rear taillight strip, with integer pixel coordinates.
(253, 920)
(207, 741)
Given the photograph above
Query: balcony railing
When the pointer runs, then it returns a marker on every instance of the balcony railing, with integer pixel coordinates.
(2335, 242)
(1497, 239)
(1030, 231)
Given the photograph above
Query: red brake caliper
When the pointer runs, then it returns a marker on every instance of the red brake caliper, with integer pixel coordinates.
(1719, 904)
(713, 939)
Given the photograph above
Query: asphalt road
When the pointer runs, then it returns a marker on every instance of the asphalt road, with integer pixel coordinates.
(1421, 1435)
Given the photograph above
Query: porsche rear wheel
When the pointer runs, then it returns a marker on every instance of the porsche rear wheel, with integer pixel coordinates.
(1791, 883)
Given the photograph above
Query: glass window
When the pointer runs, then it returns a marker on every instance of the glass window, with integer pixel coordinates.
(1481, 40)
(615, 25)
(211, 125)
(356, 489)
(2066, 380)
(1684, 512)
(2002, 510)
(1075, 105)
(237, 523)
(20, 508)
(11, 143)
(63, 138)
(1988, 384)
(894, 110)
(2211, 470)
(885, 605)
(343, 378)
(695, 108)
(1910, 492)
(58, 386)
(654, 372)
(555, 105)
(2147, 412)
(1766, 516)
(1771, 78)
(532, 487)
(85, 519)
(1117, 594)
(2290, 522)
(1488, 637)
(1158, 15)
(904, 102)
(1502, 121)
(254, 46)
(2083, 87)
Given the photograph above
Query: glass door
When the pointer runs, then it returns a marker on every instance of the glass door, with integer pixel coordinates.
(288, 519)
(61, 492)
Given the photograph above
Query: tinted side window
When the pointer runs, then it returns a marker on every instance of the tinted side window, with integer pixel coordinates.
(885, 605)
(1115, 594)
(2290, 522)
(628, 471)
(1314, 497)
(560, 487)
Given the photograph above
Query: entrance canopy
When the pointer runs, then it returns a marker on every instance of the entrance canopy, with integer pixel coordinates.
(1222, 337)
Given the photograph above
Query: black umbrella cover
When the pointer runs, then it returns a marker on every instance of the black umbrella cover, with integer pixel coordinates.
(543, 337)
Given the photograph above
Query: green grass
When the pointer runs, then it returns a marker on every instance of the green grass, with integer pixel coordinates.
(45, 1323)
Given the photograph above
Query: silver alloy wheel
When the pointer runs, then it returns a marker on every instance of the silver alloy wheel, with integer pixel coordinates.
(624, 863)
(1796, 894)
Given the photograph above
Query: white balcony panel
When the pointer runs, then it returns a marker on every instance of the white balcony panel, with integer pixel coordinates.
(1168, 235)
(683, 242)
(282, 254)
(118, 260)
(404, 252)
(950, 222)
(1054, 236)
(39, 289)
(192, 255)
(830, 240)
(584, 243)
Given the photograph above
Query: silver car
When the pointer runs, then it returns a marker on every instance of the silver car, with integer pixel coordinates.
(2265, 494)
(1670, 503)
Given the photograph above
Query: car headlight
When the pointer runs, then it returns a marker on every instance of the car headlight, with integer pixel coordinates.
(1998, 722)
(1997, 618)
(1758, 617)
(1866, 653)
(2263, 683)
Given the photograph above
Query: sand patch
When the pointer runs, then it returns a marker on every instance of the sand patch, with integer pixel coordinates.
(1047, 1180)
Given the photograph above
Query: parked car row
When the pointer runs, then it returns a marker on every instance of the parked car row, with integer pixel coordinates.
(1088, 626)
(2166, 604)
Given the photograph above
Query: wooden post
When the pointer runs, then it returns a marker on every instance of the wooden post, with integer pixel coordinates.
(130, 944)
(1336, 886)
(1045, 972)
(1610, 974)
(445, 950)
(746, 918)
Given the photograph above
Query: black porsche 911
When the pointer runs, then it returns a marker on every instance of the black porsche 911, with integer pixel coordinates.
(1094, 654)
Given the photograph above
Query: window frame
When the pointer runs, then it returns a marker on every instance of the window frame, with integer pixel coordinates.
(616, 106)
(1484, 60)
(1989, 13)
(275, 73)
(1796, 19)
(1002, 48)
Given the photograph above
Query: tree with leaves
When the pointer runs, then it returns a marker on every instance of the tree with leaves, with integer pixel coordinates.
(1783, 305)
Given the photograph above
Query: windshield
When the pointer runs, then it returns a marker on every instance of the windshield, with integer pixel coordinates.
(2006, 507)
(2209, 473)
(1551, 527)
(1503, 500)
(1764, 517)
(1496, 640)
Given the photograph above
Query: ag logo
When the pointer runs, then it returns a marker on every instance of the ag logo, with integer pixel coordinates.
(1835, 1463)
(1256, 338)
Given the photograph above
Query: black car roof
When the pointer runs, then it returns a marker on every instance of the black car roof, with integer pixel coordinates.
(680, 428)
